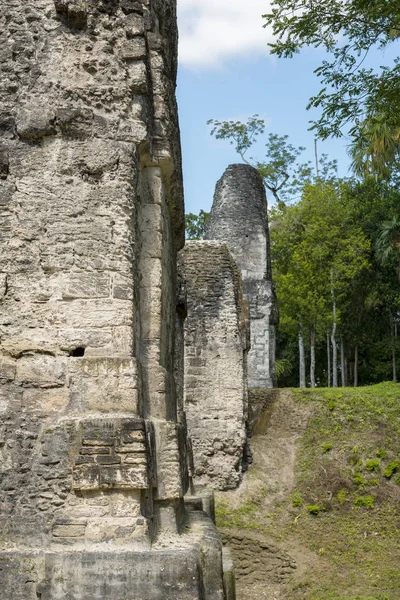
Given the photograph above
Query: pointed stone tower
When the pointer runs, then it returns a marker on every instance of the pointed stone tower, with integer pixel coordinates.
(239, 218)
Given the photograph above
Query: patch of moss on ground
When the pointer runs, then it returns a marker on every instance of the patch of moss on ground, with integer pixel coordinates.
(345, 505)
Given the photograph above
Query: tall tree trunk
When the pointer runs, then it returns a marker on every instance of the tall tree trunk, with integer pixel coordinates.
(355, 381)
(393, 332)
(312, 357)
(333, 337)
(342, 363)
(328, 353)
(302, 359)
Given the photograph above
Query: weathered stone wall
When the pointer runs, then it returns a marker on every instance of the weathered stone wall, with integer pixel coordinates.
(93, 462)
(215, 383)
(239, 218)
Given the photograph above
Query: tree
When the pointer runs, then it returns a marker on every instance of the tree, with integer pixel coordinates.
(352, 95)
(283, 175)
(387, 245)
(195, 225)
(375, 149)
(317, 251)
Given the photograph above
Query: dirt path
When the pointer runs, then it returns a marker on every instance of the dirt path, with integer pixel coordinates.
(264, 566)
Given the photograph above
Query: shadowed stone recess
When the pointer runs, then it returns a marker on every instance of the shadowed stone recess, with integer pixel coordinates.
(239, 218)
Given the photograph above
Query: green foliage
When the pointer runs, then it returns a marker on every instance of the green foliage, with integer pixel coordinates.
(283, 366)
(348, 31)
(317, 247)
(314, 509)
(283, 175)
(364, 501)
(373, 464)
(239, 134)
(195, 225)
(343, 496)
(369, 298)
(297, 500)
(358, 479)
(327, 447)
(391, 468)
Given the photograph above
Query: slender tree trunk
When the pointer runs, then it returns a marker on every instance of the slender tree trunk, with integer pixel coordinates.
(334, 349)
(333, 337)
(346, 372)
(302, 360)
(393, 332)
(342, 363)
(328, 352)
(312, 357)
(355, 380)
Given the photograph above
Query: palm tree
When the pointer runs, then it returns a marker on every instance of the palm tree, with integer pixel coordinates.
(387, 245)
(376, 146)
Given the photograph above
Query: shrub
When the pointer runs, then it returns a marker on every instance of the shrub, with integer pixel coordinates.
(314, 509)
(373, 465)
(358, 479)
(364, 501)
(391, 468)
(343, 496)
(326, 447)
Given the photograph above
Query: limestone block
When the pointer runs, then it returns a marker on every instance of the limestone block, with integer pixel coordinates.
(82, 156)
(8, 368)
(133, 49)
(47, 401)
(4, 162)
(34, 123)
(104, 384)
(41, 370)
(7, 189)
(171, 461)
(85, 285)
(114, 454)
(75, 122)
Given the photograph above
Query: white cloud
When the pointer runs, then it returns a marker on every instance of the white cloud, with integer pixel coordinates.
(213, 31)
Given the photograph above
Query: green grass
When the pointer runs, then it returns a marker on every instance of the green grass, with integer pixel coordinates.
(345, 506)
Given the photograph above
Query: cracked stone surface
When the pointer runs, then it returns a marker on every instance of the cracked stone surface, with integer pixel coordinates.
(93, 448)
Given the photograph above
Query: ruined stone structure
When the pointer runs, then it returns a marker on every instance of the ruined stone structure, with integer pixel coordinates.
(216, 344)
(239, 218)
(93, 465)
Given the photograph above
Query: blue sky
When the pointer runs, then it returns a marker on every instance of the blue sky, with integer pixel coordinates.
(226, 72)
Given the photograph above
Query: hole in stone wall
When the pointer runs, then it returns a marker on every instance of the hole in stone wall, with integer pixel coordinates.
(77, 352)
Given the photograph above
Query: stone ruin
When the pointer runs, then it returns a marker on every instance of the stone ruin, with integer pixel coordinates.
(93, 448)
(239, 218)
(215, 379)
(123, 379)
(229, 335)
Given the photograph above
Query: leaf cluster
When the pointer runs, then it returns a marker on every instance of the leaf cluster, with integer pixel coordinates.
(352, 94)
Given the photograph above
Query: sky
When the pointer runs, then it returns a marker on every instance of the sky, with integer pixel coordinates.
(226, 72)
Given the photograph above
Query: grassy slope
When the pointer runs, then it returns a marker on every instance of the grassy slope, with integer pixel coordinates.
(345, 504)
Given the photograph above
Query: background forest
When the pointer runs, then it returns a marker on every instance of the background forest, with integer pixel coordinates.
(335, 247)
(335, 242)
